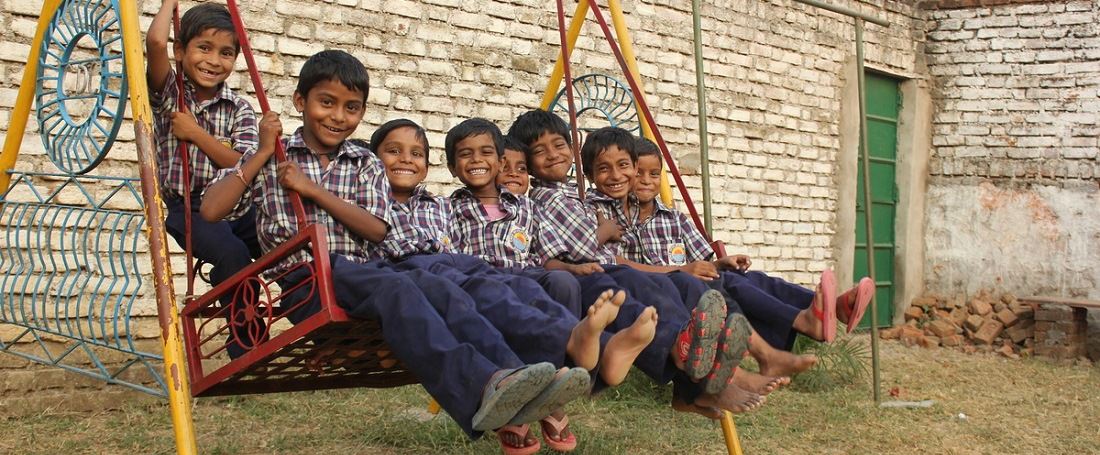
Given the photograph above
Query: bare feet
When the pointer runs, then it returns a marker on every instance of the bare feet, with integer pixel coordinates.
(624, 347)
(774, 362)
(584, 342)
(680, 405)
(562, 436)
(808, 324)
(733, 399)
(756, 383)
(517, 436)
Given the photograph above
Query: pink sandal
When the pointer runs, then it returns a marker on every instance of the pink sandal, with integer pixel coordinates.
(522, 431)
(560, 445)
(824, 305)
(851, 305)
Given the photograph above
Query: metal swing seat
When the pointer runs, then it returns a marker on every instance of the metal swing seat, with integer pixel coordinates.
(326, 350)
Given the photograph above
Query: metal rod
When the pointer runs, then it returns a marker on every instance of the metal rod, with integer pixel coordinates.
(179, 390)
(569, 97)
(846, 11)
(701, 98)
(555, 77)
(865, 163)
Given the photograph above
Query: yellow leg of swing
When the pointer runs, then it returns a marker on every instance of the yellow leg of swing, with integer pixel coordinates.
(618, 19)
(175, 368)
(729, 429)
(433, 407)
(571, 42)
(23, 102)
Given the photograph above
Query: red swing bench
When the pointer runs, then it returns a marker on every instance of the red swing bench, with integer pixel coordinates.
(279, 358)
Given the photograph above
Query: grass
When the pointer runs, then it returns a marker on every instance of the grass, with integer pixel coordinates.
(1011, 406)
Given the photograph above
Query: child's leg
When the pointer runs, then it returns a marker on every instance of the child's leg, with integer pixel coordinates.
(560, 285)
(219, 245)
(784, 291)
(453, 372)
(772, 319)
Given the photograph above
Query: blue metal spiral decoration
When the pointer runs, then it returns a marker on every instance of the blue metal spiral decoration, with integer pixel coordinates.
(81, 85)
(603, 94)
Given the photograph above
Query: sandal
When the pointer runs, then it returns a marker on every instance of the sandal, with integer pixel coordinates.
(501, 402)
(566, 386)
(697, 343)
(732, 346)
(851, 305)
(824, 305)
(522, 432)
(561, 445)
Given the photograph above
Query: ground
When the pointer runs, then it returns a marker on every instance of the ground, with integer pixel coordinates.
(983, 404)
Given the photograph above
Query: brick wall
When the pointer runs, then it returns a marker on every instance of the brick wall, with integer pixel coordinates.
(773, 72)
(1013, 190)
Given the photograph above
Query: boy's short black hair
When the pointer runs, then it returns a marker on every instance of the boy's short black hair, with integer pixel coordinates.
(511, 143)
(388, 127)
(599, 140)
(646, 147)
(469, 128)
(333, 65)
(203, 17)
(531, 125)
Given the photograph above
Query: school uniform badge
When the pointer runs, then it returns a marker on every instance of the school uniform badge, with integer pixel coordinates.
(677, 254)
(521, 241)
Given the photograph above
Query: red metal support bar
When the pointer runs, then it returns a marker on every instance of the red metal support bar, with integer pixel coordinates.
(569, 97)
(182, 150)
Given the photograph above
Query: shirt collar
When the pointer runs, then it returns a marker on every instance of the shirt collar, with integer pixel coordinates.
(506, 196)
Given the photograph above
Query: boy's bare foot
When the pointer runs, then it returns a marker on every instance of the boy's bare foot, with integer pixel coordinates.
(319, 360)
(680, 405)
(756, 383)
(808, 324)
(584, 342)
(733, 399)
(624, 347)
(774, 362)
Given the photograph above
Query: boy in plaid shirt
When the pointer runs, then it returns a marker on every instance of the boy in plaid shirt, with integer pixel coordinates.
(704, 344)
(218, 126)
(460, 358)
(776, 307)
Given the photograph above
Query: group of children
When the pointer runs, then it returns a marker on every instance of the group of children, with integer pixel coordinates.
(511, 297)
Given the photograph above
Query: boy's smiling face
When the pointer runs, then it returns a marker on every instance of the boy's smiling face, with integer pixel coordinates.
(551, 158)
(513, 173)
(476, 162)
(208, 59)
(648, 181)
(406, 161)
(330, 113)
(613, 172)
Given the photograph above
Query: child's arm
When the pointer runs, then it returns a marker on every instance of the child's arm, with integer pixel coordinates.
(702, 270)
(607, 230)
(223, 195)
(576, 269)
(738, 262)
(185, 128)
(156, 46)
(354, 217)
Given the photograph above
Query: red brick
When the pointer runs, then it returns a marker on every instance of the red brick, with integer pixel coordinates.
(1007, 317)
(929, 342)
(941, 328)
(952, 340)
(889, 334)
(973, 323)
(980, 307)
(913, 313)
(988, 332)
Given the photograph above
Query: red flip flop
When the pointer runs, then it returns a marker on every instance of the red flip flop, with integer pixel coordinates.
(521, 431)
(851, 305)
(560, 445)
(824, 305)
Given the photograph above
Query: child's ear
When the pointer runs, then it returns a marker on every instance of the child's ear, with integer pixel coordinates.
(451, 167)
(299, 102)
(177, 51)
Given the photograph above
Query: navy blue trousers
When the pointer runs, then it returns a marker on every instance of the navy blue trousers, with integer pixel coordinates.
(536, 327)
(440, 342)
(228, 246)
(560, 285)
(770, 304)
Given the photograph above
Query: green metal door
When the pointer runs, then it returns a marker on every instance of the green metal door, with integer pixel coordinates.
(883, 102)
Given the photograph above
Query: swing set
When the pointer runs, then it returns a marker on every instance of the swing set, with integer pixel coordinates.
(71, 238)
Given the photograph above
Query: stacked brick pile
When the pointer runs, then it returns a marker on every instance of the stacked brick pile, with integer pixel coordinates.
(983, 322)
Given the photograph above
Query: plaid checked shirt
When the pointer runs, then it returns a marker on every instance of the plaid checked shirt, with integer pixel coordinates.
(227, 117)
(667, 238)
(512, 241)
(421, 225)
(612, 209)
(569, 220)
(354, 175)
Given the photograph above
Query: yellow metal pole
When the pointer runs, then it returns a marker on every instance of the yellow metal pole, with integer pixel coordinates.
(618, 19)
(559, 69)
(22, 110)
(175, 370)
